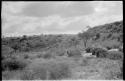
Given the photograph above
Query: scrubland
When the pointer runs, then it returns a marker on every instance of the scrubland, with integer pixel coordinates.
(65, 57)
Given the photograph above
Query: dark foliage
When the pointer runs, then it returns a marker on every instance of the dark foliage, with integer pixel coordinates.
(115, 55)
(89, 49)
(13, 64)
(99, 52)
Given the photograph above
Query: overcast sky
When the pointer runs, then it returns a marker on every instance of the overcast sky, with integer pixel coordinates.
(57, 17)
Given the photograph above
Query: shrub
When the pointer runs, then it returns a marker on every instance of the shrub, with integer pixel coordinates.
(115, 55)
(60, 52)
(26, 56)
(6, 51)
(40, 55)
(47, 55)
(99, 52)
(89, 50)
(50, 69)
(74, 53)
(13, 64)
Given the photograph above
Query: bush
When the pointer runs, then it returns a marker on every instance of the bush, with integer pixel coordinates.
(6, 51)
(60, 52)
(89, 50)
(74, 53)
(50, 69)
(47, 55)
(40, 55)
(13, 64)
(99, 52)
(115, 55)
(26, 56)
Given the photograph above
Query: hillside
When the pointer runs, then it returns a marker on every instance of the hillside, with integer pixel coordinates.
(109, 31)
(107, 35)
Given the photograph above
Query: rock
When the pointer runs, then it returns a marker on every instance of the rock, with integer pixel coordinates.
(87, 55)
(113, 50)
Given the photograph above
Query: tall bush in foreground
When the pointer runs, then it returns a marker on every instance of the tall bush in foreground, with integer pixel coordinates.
(14, 64)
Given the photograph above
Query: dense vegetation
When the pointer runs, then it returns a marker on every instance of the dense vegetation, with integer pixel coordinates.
(35, 55)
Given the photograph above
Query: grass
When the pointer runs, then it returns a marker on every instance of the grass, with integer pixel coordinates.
(11, 75)
(47, 69)
(60, 67)
(84, 62)
(67, 67)
(108, 68)
(27, 75)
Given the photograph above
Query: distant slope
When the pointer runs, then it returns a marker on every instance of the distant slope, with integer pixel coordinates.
(108, 35)
(112, 31)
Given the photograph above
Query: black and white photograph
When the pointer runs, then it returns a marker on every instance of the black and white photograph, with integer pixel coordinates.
(62, 40)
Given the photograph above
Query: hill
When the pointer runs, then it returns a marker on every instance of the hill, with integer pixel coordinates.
(108, 34)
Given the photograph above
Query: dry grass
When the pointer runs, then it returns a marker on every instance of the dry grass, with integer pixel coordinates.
(62, 67)
(47, 69)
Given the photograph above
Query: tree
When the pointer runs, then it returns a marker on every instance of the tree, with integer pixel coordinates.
(85, 36)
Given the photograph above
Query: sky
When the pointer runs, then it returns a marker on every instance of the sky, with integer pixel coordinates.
(57, 17)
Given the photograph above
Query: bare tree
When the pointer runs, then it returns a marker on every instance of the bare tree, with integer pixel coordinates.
(85, 36)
